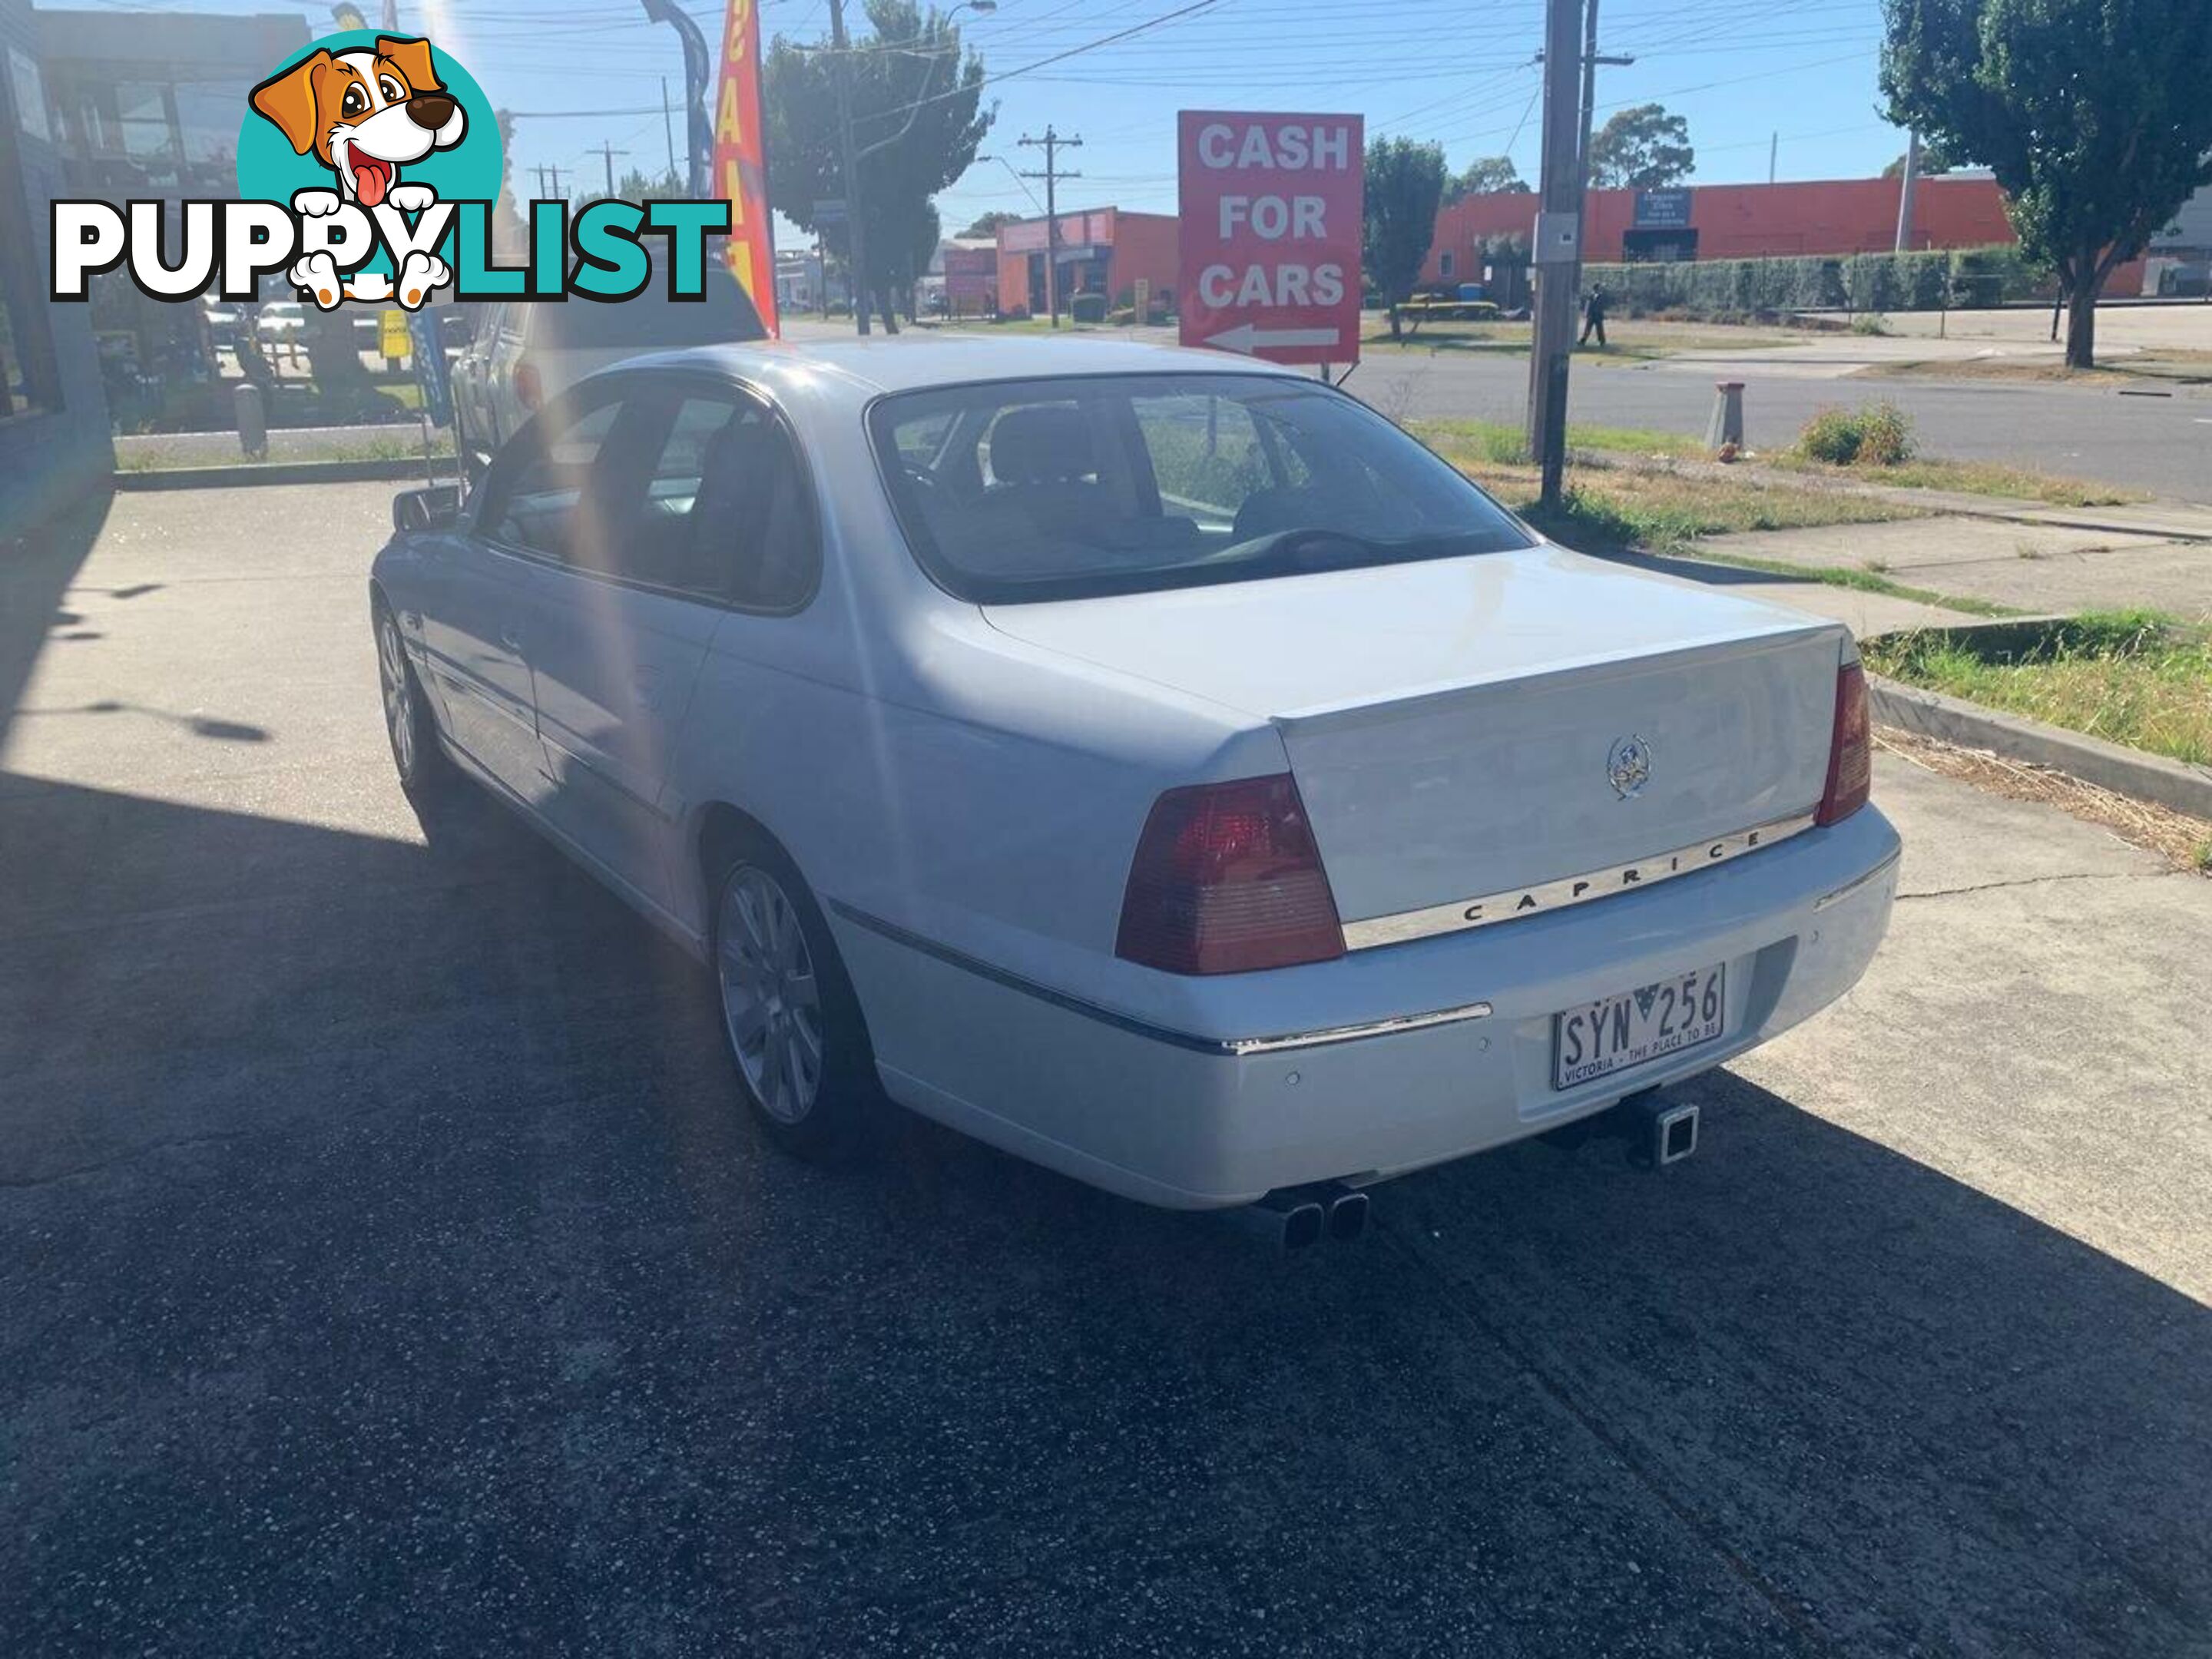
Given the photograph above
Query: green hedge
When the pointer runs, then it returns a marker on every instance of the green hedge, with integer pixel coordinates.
(1857, 282)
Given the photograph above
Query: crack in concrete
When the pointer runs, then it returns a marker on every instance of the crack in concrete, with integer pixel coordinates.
(2038, 881)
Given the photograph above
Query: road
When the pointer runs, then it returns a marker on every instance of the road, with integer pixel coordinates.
(2159, 444)
(384, 1269)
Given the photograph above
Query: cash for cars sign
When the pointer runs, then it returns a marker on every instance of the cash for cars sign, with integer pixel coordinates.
(1271, 227)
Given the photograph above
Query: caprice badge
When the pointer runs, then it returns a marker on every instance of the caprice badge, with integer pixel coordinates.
(1628, 767)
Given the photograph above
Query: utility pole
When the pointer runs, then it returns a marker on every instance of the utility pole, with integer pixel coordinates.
(1909, 188)
(548, 192)
(855, 245)
(1586, 133)
(610, 152)
(1557, 255)
(668, 130)
(1773, 157)
(1053, 144)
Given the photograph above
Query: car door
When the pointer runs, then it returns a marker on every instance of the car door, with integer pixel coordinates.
(640, 603)
(533, 504)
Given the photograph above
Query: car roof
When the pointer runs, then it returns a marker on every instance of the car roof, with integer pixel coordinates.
(916, 360)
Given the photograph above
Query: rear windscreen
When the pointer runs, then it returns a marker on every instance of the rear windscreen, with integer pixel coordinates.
(1087, 485)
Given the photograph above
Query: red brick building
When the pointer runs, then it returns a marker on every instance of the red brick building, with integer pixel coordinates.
(1101, 250)
(1744, 221)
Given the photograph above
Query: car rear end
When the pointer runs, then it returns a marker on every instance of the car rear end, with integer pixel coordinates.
(1509, 836)
(1422, 939)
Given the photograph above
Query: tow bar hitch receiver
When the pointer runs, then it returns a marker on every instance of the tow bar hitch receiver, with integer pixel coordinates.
(1662, 1131)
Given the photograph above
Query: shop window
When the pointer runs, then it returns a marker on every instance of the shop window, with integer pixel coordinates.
(26, 360)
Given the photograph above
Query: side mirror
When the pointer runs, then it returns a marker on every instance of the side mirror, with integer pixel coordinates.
(438, 507)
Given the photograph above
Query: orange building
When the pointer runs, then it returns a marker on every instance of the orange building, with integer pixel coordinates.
(1101, 250)
(1744, 221)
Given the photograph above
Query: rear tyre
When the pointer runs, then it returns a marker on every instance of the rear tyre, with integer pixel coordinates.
(790, 1023)
(424, 771)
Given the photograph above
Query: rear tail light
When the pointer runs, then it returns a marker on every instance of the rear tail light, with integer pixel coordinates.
(1851, 749)
(529, 390)
(1227, 879)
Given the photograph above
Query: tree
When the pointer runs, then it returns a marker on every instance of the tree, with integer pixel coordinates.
(988, 224)
(916, 122)
(637, 185)
(1642, 148)
(1405, 186)
(2091, 113)
(1487, 175)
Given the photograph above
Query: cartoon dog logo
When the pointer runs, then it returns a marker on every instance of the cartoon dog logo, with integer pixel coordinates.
(364, 115)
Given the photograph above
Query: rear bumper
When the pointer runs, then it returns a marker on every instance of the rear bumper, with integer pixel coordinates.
(1267, 1083)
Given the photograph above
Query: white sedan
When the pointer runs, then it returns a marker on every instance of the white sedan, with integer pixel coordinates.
(1156, 764)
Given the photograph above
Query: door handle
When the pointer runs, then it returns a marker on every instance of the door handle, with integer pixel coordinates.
(510, 635)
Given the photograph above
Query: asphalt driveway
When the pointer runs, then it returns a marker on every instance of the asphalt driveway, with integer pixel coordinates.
(384, 1269)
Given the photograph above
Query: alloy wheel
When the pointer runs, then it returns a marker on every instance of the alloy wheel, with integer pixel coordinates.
(398, 695)
(771, 999)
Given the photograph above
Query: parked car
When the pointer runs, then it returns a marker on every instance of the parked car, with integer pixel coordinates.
(520, 352)
(1158, 765)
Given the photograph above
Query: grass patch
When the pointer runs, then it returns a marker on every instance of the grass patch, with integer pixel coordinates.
(1874, 443)
(1498, 443)
(2129, 676)
(1629, 341)
(1615, 508)
(1970, 478)
(409, 447)
(1880, 434)
(2169, 365)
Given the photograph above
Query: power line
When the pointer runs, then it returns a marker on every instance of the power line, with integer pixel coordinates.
(1051, 143)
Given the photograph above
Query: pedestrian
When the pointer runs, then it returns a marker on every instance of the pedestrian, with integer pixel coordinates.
(1594, 318)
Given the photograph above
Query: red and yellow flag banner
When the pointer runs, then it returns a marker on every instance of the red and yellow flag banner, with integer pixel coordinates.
(741, 162)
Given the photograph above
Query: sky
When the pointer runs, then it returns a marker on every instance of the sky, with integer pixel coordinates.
(587, 73)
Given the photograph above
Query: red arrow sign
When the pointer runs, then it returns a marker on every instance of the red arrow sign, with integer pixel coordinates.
(1270, 223)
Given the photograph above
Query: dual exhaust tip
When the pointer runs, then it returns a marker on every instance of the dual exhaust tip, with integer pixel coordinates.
(1299, 1217)
(1659, 1130)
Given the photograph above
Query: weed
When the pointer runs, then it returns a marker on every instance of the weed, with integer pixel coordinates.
(2131, 676)
(1880, 434)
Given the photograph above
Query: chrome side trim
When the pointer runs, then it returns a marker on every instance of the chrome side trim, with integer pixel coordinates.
(1228, 1048)
(1355, 1033)
(1852, 887)
(1492, 908)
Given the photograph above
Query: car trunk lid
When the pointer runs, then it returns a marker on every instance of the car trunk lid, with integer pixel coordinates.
(1472, 727)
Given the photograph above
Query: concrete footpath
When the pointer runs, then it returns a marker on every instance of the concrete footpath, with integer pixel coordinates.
(2028, 566)
(386, 1268)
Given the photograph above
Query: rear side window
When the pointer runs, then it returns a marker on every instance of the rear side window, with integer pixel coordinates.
(726, 515)
(545, 506)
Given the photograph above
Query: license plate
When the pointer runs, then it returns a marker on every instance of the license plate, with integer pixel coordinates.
(1637, 1026)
